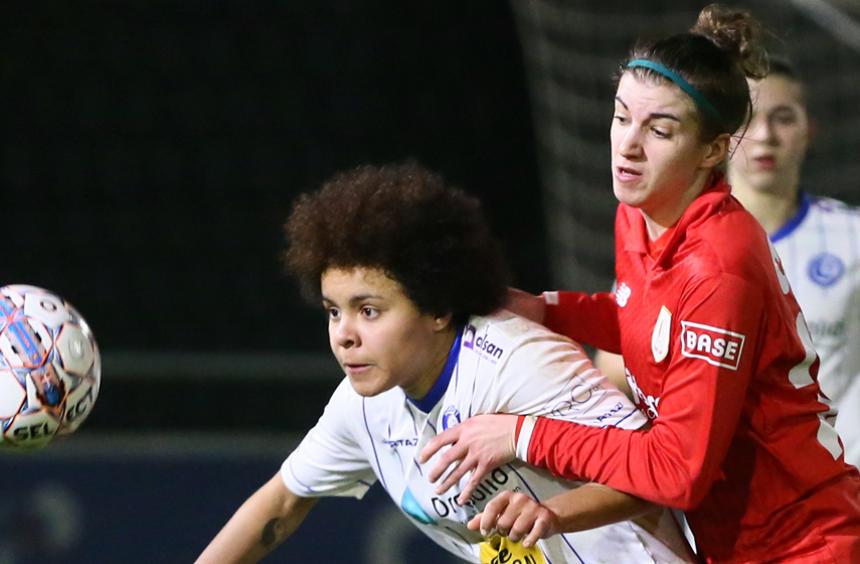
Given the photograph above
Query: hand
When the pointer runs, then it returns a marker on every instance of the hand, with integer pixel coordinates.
(479, 444)
(528, 305)
(516, 516)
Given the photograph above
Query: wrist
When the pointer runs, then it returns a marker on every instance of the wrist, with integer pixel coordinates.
(523, 435)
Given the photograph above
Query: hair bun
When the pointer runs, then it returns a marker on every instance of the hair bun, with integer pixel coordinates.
(738, 33)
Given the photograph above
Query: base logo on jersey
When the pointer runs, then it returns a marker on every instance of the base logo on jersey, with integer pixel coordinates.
(826, 269)
(481, 345)
(660, 335)
(716, 346)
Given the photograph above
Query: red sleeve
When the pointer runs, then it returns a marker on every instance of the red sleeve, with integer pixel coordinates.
(585, 318)
(674, 462)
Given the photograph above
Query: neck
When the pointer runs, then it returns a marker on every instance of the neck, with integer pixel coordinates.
(659, 220)
(438, 356)
(771, 208)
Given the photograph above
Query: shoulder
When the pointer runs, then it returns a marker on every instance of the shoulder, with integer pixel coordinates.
(728, 242)
(824, 204)
(833, 214)
(504, 333)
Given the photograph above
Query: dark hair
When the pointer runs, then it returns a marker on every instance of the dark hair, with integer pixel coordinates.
(716, 56)
(781, 66)
(431, 238)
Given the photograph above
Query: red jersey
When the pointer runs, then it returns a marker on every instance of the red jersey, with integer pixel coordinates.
(718, 355)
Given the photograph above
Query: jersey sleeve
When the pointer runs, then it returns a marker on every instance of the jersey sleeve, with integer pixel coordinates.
(585, 318)
(548, 375)
(674, 462)
(329, 461)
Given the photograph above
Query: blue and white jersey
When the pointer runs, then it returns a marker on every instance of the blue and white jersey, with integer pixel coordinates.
(500, 363)
(820, 253)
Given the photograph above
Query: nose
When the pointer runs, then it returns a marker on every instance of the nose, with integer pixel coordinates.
(630, 144)
(342, 333)
(760, 129)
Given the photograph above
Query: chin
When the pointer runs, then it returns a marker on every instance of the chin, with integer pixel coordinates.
(367, 389)
(628, 197)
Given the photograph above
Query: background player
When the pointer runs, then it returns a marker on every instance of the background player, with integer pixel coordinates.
(717, 351)
(818, 239)
(409, 275)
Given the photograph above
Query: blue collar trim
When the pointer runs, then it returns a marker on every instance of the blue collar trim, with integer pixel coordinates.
(794, 222)
(427, 403)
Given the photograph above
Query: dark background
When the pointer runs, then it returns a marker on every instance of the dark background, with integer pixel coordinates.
(151, 151)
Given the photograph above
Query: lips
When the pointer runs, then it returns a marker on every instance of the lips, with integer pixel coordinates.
(765, 162)
(355, 368)
(627, 174)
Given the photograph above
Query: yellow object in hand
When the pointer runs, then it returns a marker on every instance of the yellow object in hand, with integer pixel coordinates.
(502, 550)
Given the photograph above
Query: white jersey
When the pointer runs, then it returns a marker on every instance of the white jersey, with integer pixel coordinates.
(820, 253)
(501, 363)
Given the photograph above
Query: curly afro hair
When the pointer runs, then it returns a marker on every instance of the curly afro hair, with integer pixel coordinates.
(402, 219)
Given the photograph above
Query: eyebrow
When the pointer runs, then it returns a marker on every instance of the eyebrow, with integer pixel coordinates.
(653, 115)
(783, 108)
(354, 299)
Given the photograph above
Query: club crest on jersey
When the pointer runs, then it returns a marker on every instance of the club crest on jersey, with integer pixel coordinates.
(622, 294)
(450, 417)
(826, 269)
(660, 335)
(716, 346)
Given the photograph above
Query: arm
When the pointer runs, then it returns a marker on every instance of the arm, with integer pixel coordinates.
(587, 318)
(675, 462)
(262, 523)
(697, 412)
(584, 318)
(518, 516)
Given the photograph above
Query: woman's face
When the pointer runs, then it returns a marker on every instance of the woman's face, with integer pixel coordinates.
(378, 335)
(659, 164)
(770, 153)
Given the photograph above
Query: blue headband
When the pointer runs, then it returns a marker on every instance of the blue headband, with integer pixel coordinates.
(691, 91)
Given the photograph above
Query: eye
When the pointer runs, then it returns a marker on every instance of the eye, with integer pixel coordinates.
(333, 313)
(660, 133)
(621, 119)
(369, 312)
(785, 118)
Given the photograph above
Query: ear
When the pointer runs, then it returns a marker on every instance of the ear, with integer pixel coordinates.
(716, 151)
(441, 322)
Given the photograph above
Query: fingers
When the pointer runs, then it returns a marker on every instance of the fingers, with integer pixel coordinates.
(516, 516)
(447, 437)
(453, 478)
(489, 522)
(540, 530)
(450, 460)
(474, 523)
(478, 474)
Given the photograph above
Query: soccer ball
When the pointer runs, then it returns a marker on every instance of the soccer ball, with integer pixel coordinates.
(50, 369)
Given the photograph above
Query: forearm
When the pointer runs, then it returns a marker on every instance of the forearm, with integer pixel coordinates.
(262, 523)
(594, 505)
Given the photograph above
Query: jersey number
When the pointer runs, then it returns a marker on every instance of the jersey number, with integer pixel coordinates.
(800, 376)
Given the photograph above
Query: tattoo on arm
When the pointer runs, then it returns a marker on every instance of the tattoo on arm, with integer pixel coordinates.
(270, 533)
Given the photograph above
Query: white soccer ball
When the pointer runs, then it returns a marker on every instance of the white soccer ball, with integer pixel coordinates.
(50, 369)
